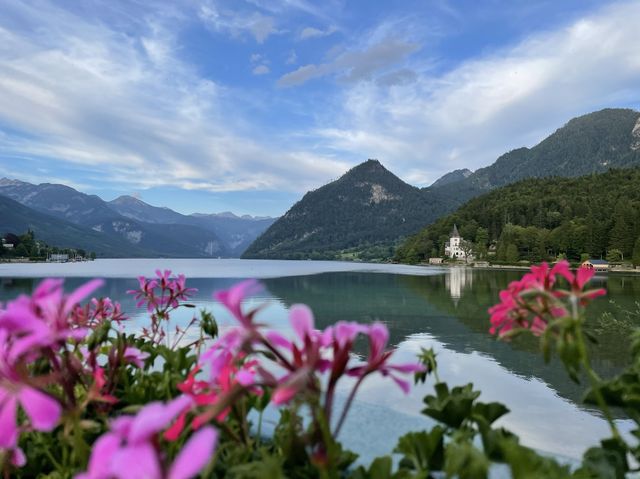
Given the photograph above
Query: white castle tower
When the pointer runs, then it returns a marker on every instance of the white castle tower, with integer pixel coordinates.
(452, 248)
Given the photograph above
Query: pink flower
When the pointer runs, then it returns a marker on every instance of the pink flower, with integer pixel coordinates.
(536, 299)
(306, 354)
(378, 360)
(163, 292)
(135, 356)
(232, 299)
(131, 448)
(41, 409)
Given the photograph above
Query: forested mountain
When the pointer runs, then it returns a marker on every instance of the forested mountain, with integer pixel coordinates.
(342, 217)
(92, 213)
(592, 143)
(234, 232)
(537, 219)
(367, 206)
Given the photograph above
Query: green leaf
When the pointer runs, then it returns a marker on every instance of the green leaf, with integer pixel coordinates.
(451, 408)
(422, 451)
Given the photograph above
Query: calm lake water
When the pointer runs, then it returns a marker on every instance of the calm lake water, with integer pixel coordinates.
(423, 307)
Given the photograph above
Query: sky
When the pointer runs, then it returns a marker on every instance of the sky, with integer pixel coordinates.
(244, 105)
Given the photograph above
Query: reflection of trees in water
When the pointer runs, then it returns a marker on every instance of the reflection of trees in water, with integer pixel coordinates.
(415, 304)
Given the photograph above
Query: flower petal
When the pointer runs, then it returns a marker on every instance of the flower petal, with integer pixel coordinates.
(301, 319)
(42, 409)
(8, 426)
(195, 454)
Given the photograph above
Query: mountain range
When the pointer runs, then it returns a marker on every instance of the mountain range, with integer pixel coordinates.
(65, 217)
(364, 214)
(369, 208)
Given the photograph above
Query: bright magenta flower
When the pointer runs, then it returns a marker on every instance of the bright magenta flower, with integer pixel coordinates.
(531, 302)
(163, 292)
(232, 299)
(378, 360)
(131, 448)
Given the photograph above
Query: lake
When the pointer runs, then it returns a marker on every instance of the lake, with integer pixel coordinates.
(423, 307)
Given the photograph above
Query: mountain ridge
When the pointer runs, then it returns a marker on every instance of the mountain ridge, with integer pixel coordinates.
(591, 143)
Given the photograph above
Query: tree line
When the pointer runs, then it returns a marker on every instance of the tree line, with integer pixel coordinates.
(27, 246)
(594, 216)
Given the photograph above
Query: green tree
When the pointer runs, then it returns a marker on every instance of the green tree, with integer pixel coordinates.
(636, 253)
(614, 255)
(511, 255)
(482, 240)
(21, 250)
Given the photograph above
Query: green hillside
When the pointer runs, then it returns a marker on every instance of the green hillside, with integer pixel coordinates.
(367, 207)
(542, 218)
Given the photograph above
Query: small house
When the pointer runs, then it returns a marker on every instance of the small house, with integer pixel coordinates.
(58, 258)
(597, 264)
(435, 260)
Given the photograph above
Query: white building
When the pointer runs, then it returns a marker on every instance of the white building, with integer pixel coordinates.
(452, 248)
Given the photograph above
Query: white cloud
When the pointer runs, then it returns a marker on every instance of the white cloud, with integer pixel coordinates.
(355, 65)
(260, 70)
(312, 32)
(236, 23)
(486, 106)
(130, 112)
(292, 58)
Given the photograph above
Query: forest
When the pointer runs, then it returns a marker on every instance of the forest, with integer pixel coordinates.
(27, 246)
(593, 216)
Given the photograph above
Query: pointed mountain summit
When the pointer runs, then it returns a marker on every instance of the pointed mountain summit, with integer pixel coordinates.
(365, 207)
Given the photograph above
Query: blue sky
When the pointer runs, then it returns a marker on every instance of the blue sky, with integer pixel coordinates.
(244, 105)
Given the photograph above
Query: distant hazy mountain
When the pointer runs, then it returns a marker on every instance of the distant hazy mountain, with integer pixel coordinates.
(91, 212)
(371, 206)
(17, 218)
(235, 233)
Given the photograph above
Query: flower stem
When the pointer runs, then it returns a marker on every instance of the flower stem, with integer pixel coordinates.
(347, 406)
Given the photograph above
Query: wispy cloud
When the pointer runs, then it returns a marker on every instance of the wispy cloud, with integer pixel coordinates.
(312, 32)
(485, 106)
(236, 23)
(354, 65)
(79, 92)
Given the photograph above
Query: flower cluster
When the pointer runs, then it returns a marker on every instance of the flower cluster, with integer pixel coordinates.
(539, 298)
(162, 295)
(32, 328)
(236, 363)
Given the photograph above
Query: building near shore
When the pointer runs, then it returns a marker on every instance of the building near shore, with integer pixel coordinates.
(58, 258)
(453, 247)
(597, 264)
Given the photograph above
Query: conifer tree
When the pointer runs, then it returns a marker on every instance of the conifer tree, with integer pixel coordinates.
(636, 253)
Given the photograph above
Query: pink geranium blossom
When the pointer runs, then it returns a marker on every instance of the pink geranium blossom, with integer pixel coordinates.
(131, 448)
(537, 298)
(379, 356)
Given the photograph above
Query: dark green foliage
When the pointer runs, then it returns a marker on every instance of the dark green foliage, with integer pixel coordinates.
(636, 253)
(540, 219)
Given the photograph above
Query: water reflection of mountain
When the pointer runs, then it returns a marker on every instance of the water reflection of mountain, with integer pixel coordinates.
(447, 308)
